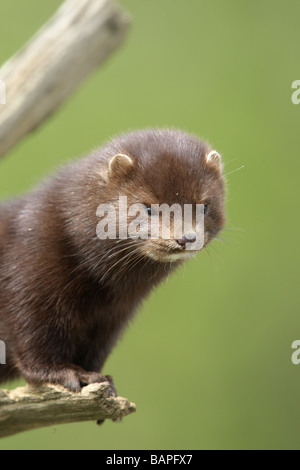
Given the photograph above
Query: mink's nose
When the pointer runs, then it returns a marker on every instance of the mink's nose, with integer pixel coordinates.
(187, 238)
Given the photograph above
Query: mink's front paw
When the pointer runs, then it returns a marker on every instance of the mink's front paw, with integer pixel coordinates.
(76, 378)
(112, 392)
(69, 376)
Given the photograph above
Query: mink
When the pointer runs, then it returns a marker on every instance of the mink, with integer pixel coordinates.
(66, 295)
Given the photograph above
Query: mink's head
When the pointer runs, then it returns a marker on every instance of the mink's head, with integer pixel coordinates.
(152, 178)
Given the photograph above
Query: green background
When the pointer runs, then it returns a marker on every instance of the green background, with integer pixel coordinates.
(208, 358)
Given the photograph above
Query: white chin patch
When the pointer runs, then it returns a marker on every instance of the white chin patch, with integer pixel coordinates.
(173, 257)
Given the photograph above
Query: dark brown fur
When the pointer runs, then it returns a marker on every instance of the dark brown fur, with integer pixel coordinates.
(66, 295)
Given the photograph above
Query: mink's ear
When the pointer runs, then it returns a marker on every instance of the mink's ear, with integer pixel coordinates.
(120, 165)
(213, 159)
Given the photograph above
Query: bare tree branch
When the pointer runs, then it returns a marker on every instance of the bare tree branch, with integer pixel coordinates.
(80, 36)
(33, 407)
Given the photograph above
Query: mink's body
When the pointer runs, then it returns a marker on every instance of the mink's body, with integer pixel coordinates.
(66, 295)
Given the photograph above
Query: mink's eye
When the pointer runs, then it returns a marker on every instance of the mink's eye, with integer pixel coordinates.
(205, 208)
(151, 210)
(148, 210)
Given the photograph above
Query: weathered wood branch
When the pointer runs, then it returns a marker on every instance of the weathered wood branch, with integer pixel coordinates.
(80, 36)
(32, 407)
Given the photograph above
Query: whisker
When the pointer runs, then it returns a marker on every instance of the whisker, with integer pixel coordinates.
(115, 253)
(134, 255)
(117, 262)
(237, 229)
(233, 171)
(133, 264)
